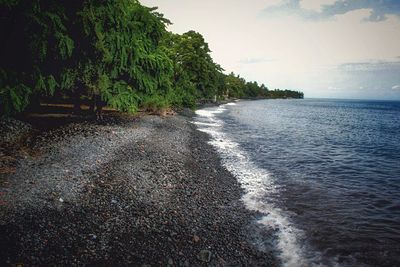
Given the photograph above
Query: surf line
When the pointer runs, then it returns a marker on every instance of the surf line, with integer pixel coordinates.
(257, 184)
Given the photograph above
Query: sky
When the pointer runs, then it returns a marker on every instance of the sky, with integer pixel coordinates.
(325, 48)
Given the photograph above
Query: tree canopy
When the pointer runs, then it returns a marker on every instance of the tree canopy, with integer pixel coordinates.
(119, 50)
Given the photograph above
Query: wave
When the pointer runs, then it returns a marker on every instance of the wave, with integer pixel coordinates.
(257, 183)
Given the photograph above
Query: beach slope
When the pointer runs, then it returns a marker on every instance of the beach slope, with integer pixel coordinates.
(146, 191)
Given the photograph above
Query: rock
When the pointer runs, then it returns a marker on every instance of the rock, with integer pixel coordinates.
(204, 255)
(61, 200)
(196, 238)
(165, 200)
(222, 262)
(186, 263)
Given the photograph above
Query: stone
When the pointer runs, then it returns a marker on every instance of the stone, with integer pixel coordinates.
(204, 255)
(196, 238)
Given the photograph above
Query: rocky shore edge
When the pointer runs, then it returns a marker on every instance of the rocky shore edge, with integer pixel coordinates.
(137, 191)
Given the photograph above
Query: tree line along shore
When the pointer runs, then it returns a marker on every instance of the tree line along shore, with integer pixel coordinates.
(102, 52)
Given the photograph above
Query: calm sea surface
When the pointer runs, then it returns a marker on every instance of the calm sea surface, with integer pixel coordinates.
(325, 174)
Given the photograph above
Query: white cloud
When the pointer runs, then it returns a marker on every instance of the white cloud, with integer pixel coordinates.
(315, 5)
(267, 3)
(396, 87)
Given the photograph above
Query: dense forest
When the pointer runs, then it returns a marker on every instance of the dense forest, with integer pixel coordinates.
(114, 52)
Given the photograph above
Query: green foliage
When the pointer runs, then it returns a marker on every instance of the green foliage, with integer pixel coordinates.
(127, 60)
(182, 96)
(65, 46)
(9, 3)
(68, 77)
(34, 53)
(252, 90)
(119, 50)
(51, 85)
(235, 86)
(14, 96)
(154, 103)
(121, 96)
(193, 65)
(277, 93)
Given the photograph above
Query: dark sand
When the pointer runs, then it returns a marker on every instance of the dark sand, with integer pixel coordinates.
(143, 191)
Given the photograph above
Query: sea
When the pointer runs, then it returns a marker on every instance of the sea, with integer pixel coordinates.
(323, 174)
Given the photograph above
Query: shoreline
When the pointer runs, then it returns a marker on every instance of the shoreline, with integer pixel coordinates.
(145, 191)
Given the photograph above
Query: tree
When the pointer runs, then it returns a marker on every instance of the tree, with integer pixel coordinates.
(34, 52)
(235, 85)
(191, 56)
(129, 66)
(118, 51)
(109, 48)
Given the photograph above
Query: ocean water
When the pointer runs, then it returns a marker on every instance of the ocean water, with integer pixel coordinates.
(325, 174)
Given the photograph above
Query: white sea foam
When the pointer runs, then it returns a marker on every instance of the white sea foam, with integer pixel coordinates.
(209, 113)
(258, 185)
(207, 124)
